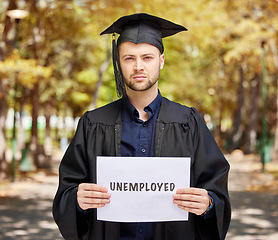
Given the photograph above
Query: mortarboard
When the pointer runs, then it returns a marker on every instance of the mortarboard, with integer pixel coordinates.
(139, 28)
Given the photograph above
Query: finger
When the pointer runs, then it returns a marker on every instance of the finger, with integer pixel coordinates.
(190, 206)
(86, 206)
(191, 190)
(86, 203)
(92, 187)
(186, 197)
(190, 197)
(197, 211)
(94, 200)
(93, 194)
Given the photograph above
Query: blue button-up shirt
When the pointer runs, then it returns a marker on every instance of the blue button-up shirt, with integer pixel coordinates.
(138, 141)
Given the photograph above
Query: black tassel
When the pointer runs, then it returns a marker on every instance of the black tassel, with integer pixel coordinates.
(120, 85)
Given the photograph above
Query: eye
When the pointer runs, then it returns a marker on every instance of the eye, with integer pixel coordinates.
(128, 58)
(148, 58)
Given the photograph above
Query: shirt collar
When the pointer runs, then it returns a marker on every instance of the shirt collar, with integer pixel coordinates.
(152, 108)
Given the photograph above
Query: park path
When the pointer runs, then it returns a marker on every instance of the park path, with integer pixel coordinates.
(25, 210)
(25, 206)
(254, 200)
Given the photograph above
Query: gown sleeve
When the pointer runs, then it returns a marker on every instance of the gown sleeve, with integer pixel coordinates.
(210, 172)
(73, 170)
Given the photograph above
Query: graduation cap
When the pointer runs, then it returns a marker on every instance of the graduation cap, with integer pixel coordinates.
(139, 28)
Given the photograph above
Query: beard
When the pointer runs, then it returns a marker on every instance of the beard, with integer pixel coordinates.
(142, 85)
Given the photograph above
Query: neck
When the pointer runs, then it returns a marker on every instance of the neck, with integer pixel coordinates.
(141, 99)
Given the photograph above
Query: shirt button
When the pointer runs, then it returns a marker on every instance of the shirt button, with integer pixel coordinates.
(143, 150)
(140, 230)
(144, 124)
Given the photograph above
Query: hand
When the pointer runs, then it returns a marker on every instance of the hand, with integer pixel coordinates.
(91, 195)
(194, 200)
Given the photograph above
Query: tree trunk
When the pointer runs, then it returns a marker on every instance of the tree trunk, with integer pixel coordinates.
(218, 104)
(252, 123)
(34, 130)
(35, 91)
(48, 140)
(4, 46)
(218, 119)
(273, 48)
(21, 131)
(237, 129)
(102, 70)
(3, 110)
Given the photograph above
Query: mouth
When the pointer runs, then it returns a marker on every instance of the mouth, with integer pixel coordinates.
(139, 77)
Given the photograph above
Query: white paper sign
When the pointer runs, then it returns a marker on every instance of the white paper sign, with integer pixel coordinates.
(142, 188)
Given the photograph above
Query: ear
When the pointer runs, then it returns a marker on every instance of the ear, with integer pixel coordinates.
(162, 60)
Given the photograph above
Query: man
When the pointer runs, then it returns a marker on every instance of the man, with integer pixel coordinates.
(142, 123)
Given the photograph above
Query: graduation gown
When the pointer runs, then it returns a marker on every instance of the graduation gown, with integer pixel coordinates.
(180, 132)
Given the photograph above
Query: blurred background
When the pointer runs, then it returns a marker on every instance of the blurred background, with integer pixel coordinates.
(54, 66)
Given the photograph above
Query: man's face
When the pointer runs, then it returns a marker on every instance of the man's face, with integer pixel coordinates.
(140, 64)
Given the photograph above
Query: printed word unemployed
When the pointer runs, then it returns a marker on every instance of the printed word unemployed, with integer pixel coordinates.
(136, 187)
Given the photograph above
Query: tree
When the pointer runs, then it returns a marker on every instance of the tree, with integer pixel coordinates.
(5, 48)
(206, 67)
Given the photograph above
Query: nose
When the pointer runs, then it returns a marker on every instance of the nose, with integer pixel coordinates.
(138, 66)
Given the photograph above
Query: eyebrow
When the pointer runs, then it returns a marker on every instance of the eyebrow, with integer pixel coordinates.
(145, 54)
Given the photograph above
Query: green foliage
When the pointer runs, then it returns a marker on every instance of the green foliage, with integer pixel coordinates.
(81, 98)
(26, 71)
(87, 77)
(201, 64)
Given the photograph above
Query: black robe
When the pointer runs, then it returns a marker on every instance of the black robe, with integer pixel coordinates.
(180, 132)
